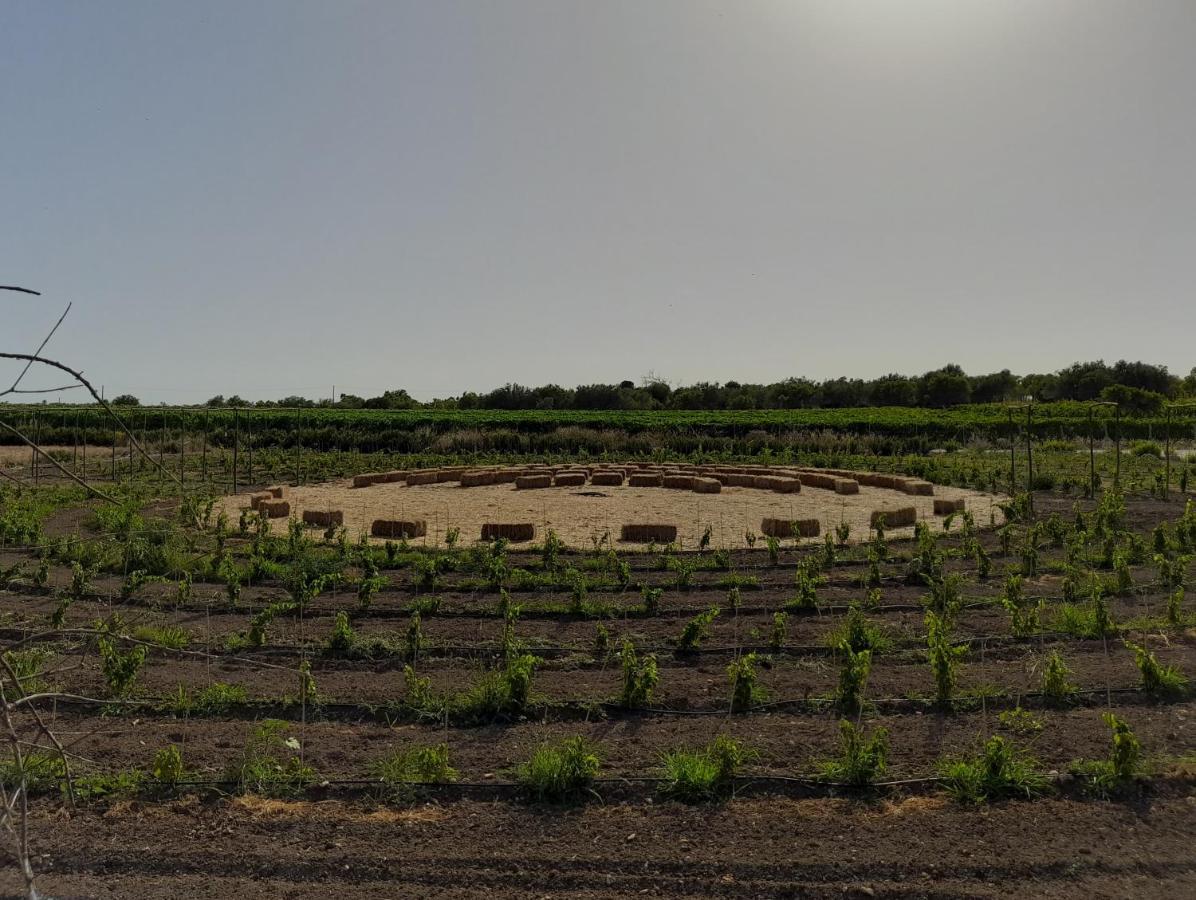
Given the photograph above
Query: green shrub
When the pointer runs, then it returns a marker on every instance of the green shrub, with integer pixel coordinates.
(167, 766)
(696, 630)
(1057, 687)
(1159, 681)
(944, 656)
(853, 679)
(342, 641)
(640, 677)
(745, 692)
(1105, 777)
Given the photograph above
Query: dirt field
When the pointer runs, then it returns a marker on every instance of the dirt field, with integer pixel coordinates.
(581, 515)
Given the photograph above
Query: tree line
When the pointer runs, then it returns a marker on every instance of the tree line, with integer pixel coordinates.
(1137, 386)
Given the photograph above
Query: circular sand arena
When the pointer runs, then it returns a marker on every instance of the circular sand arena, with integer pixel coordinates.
(583, 513)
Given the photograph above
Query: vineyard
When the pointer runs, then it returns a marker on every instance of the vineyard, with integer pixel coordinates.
(391, 691)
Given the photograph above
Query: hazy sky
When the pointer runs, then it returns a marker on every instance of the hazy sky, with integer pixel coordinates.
(275, 197)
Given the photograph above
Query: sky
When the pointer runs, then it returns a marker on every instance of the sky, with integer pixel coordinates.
(290, 197)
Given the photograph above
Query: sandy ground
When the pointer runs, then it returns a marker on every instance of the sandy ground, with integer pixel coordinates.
(582, 515)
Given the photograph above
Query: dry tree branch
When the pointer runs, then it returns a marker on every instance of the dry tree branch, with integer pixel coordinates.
(40, 348)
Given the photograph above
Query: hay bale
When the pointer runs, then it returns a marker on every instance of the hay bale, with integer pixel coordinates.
(394, 528)
(423, 477)
(569, 479)
(786, 485)
(274, 509)
(895, 518)
(255, 500)
(477, 477)
(524, 482)
(367, 479)
(323, 517)
(277, 491)
(645, 479)
(944, 507)
(607, 478)
(846, 486)
(917, 487)
(740, 479)
(395, 477)
(707, 486)
(506, 476)
(648, 534)
(678, 482)
(787, 528)
(516, 532)
(818, 480)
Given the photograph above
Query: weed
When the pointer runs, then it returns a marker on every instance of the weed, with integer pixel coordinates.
(858, 633)
(1019, 721)
(697, 776)
(419, 765)
(862, 757)
(560, 772)
(268, 765)
(171, 637)
(999, 772)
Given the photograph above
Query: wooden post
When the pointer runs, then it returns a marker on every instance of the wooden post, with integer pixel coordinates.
(298, 443)
(1091, 456)
(1029, 458)
(1117, 448)
(1012, 458)
(204, 451)
(1167, 458)
(236, 443)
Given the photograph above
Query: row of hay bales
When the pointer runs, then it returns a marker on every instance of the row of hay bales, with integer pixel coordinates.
(913, 486)
(702, 479)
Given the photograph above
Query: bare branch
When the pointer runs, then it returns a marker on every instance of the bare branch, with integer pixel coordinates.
(10, 287)
(54, 390)
(40, 348)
